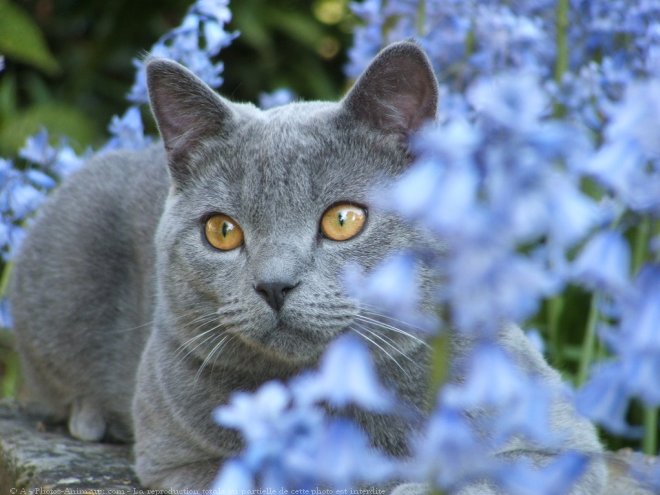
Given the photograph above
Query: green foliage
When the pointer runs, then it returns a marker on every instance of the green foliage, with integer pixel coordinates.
(21, 39)
(72, 62)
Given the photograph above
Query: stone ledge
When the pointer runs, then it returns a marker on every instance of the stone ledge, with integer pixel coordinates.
(35, 459)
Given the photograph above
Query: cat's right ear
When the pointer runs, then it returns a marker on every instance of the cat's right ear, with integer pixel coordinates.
(186, 110)
(397, 93)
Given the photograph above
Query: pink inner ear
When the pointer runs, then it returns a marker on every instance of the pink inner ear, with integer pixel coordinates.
(417, 110)
(398, 91)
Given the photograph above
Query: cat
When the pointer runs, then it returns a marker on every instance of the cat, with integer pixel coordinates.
(155, 283)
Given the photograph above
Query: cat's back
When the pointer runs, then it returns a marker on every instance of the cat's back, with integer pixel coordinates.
(81, 285)
(97, 220)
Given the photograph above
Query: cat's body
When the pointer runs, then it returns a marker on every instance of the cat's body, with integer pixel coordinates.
(117, 273)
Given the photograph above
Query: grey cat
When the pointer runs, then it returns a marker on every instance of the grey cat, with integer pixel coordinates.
(153, 284)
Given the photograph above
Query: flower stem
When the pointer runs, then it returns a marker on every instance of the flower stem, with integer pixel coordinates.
(439, 373)
(587, 354)
(640, 246)
(650, 440)
(555, 308)
(640, 253)
(561, 62)
(421, 17)
(4, 281)
(440, 366)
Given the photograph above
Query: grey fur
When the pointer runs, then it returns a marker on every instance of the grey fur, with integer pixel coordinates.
(116, 276)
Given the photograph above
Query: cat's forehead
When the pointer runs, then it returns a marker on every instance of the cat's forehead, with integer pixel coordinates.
(306, 149)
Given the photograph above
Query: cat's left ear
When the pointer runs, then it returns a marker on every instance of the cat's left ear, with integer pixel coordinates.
(186, 110)
(397, 93)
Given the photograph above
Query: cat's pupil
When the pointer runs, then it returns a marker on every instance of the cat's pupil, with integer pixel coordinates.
(226, 228)
(341, 218)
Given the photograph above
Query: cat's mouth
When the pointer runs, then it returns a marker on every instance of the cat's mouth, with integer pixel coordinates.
(287, 342)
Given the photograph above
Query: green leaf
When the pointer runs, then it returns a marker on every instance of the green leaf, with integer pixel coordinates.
(59, 119)
(21, 39)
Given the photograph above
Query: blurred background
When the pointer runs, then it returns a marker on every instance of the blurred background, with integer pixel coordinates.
(68, 64)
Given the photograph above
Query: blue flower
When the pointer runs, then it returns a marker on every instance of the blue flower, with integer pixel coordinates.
(6, 320)
(604, 398)
(277, 98)
(346, 376)
(127, 132)
(234, 477)
(493, 382)
(559, 476)
(40, 179)
(205, 21)
(24, 199)
(604, 262)
(217, 10)
(448, 450)
(37, 150)
(392, 286)
(68, 161)
(341, 456)
(254, 414)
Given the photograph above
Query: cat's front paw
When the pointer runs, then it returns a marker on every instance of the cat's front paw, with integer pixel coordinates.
(86, 421)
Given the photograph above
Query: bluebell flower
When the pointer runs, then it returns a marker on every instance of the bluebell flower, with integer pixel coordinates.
(513, 99)
(214, 9)
(290, 441)
(254, 414)
(392, 286)
(519, 404)
(40, 179)
(205, 22)
(559, 476)
(11, 237)
(346, 376)
(448, 450)
(341, 456)
(277, 98)
(37, 150)
(604, 262)
(6, 321)
(127, 131)
(629, 161)
(604, 398)
(234, 477)
(67, 160)
(24, 199)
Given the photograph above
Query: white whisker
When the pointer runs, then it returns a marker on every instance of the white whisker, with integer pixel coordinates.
(392, 328)
(386, 341)
(208, 358)
(191, 340)
(381, 348)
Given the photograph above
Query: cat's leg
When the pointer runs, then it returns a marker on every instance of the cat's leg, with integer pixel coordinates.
(86, 420)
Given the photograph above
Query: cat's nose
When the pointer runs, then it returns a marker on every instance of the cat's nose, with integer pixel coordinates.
(274, 293)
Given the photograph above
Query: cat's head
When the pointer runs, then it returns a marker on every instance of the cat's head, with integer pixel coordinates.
(267, 207)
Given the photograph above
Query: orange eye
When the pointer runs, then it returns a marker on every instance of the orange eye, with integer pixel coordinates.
(223, 232)
(343, 221)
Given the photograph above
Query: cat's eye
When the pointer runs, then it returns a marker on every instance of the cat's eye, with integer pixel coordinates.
(223, 232)
(343, 221)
